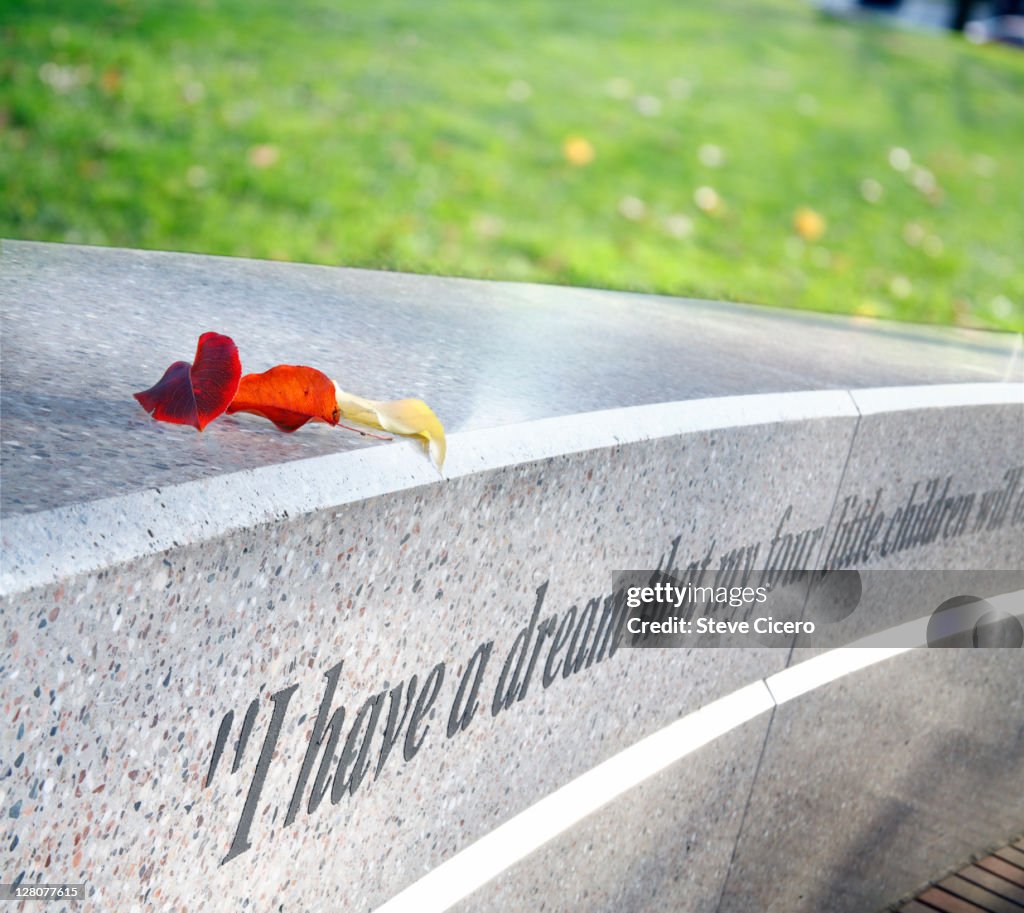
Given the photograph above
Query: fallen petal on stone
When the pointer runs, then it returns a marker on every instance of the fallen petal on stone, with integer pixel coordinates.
(407, 417)
(288, 395)
(195, 394)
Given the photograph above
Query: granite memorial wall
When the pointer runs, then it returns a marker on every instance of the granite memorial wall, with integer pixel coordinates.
(242, 671)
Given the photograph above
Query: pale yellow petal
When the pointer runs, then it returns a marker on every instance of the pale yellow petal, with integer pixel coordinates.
(356, 409)
(407, 417)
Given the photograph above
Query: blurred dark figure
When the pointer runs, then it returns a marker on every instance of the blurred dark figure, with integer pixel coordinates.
(1006, 22)
(961, 13)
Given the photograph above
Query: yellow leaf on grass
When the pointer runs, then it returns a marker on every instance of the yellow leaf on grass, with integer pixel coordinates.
(809, 224)
(408, 417)
(578, 151)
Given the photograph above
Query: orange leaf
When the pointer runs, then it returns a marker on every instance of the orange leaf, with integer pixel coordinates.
(288, 395)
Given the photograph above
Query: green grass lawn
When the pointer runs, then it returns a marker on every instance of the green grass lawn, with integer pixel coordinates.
(432, 137)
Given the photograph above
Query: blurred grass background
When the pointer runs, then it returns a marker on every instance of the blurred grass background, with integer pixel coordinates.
(750, 149)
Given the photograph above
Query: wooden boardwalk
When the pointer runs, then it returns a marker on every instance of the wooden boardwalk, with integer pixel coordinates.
(994, 884)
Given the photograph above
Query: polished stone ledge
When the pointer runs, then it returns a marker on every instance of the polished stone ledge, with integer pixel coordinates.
(84, 328)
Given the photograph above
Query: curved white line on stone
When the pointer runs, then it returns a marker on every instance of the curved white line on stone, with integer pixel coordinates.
(826, 667)
(40, 548)
(471, 868)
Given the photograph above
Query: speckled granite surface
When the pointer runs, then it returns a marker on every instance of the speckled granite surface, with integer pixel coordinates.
(953, 503)
(169, 704)
(123, 677)
(874, 785)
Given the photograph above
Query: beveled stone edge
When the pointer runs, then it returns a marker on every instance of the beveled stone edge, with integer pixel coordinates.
(41, 548)
(875, 400)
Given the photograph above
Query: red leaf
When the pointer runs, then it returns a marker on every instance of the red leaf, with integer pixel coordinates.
(195, 394)
(288, 395)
